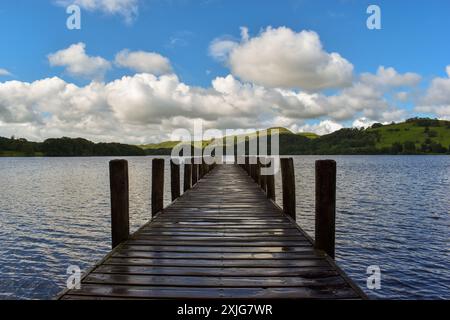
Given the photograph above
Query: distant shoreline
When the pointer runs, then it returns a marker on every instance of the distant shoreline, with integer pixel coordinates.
(282, 156)
(416, 136)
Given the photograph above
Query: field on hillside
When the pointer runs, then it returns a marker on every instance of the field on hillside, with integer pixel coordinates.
(413, 132)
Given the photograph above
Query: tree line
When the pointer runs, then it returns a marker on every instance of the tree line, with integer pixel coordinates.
(66, 147)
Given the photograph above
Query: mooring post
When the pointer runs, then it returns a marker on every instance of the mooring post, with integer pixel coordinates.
(202, 169)
(262, 177)
(270, 186)
(326, 206)
(252, 168)
(258, 171)
(120, 211)
(174, 180)
(157, 185)
(288, 178)
(187, 175)
(194, 172)
(247, 165)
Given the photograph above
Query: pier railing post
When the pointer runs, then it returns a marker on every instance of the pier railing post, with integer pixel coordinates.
(326, 206)
(187, 175)
(270, 186)
(174, 180)
(120, 212)
(262, 178)
(258, 171)
(194, 172)
(157, 185)
(288, 178)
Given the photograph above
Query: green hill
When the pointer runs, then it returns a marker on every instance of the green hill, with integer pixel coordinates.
(414, 136)
(423, 133)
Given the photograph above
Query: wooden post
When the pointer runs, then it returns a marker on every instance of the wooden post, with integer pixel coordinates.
(157, 185)
(270, 181)
(288, 178)
(262, 178)
(205, 167)
(187, 175)
(120, 212)
(174, 180)
(202, 169)
(326, 206)
(258, 172)
(194, 173)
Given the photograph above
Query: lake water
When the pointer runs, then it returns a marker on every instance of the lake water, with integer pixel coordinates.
(393, 212)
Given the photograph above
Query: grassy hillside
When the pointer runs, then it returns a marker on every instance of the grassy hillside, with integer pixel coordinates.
(418, 131)
(415, 136)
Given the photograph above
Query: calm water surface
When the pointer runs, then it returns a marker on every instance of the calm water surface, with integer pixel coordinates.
(393, 212)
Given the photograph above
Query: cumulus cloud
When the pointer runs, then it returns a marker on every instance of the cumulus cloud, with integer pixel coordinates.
(146, 107)
(220, 48)
(283, 58)
(78, 63)
(390, 78)
(128, 9)
(142, 61)
(322, 128)
(4, 72)
(437, 97)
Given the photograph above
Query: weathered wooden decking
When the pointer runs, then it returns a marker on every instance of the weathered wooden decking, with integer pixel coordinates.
(221, 239)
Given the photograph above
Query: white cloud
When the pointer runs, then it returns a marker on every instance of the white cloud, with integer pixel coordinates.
(389, 77)
(4, 72)
(142, 61)
(78, 63)
(128, 9)
(145, 107)
(221, 48)
(322, 128)
(437, 97)
(282, 58)
(363, 123)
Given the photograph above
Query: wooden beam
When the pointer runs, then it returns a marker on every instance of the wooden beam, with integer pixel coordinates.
(174, 180)
(326, 206)
(157, 185)
(120, 212)
(187, 175)
(288, 178)
(194, 173)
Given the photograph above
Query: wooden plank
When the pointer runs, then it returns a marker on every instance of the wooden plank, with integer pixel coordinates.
(223, 282)
(215, 263)
(152, 292)
(311, 255)
(216, 249)
(305, 272)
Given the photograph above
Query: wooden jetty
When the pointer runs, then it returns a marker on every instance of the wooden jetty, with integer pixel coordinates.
(225, 237)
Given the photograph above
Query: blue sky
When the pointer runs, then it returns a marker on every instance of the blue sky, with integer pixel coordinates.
(413, 39)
